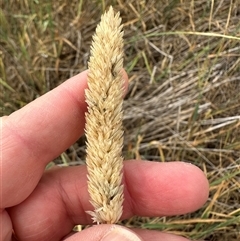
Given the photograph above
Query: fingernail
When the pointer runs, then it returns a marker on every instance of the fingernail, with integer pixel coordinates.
(120, 234)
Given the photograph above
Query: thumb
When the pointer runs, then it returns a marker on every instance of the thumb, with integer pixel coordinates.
(105, 232)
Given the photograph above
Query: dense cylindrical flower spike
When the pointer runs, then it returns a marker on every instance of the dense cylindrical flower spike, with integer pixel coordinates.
(104, 131)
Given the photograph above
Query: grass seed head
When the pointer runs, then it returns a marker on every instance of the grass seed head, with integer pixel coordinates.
(104, 130)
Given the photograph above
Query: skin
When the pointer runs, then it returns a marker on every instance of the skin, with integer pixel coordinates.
(45, 205)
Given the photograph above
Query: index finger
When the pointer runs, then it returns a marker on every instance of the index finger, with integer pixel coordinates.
(36, 134)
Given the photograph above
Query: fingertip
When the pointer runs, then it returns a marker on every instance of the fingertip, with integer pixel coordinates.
(105, 232)
(125, 77)
(200, 184)
(175, 188)
(81, 79)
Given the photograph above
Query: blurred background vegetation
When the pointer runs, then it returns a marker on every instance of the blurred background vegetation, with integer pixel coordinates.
(183, 61)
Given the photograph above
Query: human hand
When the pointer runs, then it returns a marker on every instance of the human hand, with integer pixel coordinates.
(45, 205)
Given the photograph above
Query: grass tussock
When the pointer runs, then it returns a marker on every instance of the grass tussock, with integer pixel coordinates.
(183, 60)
